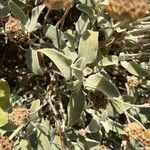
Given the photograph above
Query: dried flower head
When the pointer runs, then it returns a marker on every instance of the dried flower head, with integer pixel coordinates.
(19, 115)
(133, 81)
(5, 143)
(14, 29)
(134, 130)
(98, 99)
(58, 4)
(145, 138)
(128, 9)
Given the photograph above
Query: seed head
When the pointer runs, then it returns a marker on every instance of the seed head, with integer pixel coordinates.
(98, 99)
(5, 143)
(58, 4)
(134, 130)
(19, 115)
(128, 9)
(145, 138)
(14, 29)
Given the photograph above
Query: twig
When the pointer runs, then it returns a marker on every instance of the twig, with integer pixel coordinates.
(16, 131)
(137, 31)
(145, 19)
(138, 54)
(57, 121)
(136, 121)
(45, 18)
(61, 21)
(147, 105)
(62, 112)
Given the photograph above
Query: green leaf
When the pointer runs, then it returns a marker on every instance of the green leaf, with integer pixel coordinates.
(75, 107)
(87, 144)
(107, 61)
(44, 141)
(5, 11)
(79, 64)
(21, 4)
(3, 3)
(128, 98)
(33, 61)
(87, 2)
(102, 22)
(75, 85)
(70, 53)
(31, 131)
(116, 107)
(4, 95)
(94, 125)
(53, 33)
(87, 71)
(92, 144)
(24, 144)
(76, 147)
(45, 126)
(3, 117)
(113, 126)
(70, 37)
(32, 24)
(56, 143)
(78, 68)
(88, 46)
(87, 10)
(99, 82)
(82, 24)
(135, 69)
(61, 61)
(17, 12)
(104, 3)
(35, 106)
(145, 111)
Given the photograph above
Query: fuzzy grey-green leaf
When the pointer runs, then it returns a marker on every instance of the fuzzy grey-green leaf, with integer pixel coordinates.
(17, 12)
(31, 25)
(61, 61)
(99, 82)
(88, 46)
(4, 95)
(33, 61)
(3, 117)
(75, 107)
(82, 24)
(135, 69)
(107, 61)
(85, 9)
(55, 35)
